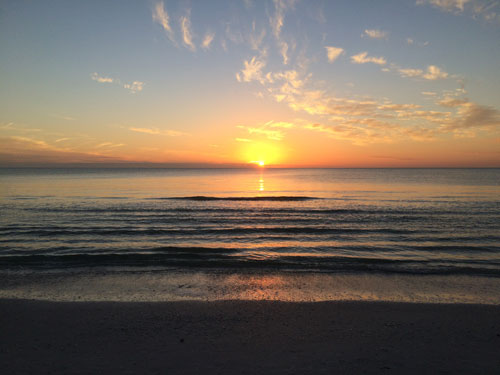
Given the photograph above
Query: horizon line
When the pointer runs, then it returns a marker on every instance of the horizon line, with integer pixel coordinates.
(151, 165)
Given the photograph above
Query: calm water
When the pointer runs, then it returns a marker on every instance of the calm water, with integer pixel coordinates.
(393, 221)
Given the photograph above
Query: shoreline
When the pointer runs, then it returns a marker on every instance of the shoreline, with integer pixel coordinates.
(248, 337)
(135, 285)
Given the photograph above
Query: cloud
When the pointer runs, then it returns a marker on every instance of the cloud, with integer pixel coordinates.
(98, 78)
(452, 102)
(432, 73)
(161, 17)
(412, 41)
(486, 9)
(187, 35)
(333, 53)
(156, 131)
(255, 39)
(284, 51)
(446, 5)
(134, 87)
(11, 127)
(411, 72)
(356, 119)
(277, 21)
(280, 124)
(363, 58)
(375, 34)
(272, 130)
(243, 140)
(23, 150)
(252, 70)
(207, 40)
(397, 107)
(470, 115)
(109, 145)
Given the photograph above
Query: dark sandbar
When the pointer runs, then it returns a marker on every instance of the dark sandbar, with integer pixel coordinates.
(240, 337)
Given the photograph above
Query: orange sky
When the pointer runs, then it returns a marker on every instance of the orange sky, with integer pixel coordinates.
(279, 82)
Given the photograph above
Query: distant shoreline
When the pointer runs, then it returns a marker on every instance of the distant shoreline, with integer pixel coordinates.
(133, 166)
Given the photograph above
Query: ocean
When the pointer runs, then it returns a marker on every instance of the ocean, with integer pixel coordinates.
(199, 224)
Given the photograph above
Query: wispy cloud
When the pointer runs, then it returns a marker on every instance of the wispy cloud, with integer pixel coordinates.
(356, 119)
(284, 52)
(207, 40)
(17, 149)
(11, 127)
(363, 58)
(156, 131)
(411, 41)
(109, 145)
(271, 130)
(187, 34)
(446, 5)
(432, 73)
(255, 38)
(277, 21)
(375, 34)
(133, 87)
(161, 17)
(252, 70)
(242, 140)
(469, 115)
(486, 9)
(101, 79)
(333, 53)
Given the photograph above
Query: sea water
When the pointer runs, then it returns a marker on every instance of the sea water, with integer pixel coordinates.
(313, 234)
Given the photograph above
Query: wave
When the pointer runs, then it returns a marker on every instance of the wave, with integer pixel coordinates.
(207, 231)
(282, 198)
(200, 259)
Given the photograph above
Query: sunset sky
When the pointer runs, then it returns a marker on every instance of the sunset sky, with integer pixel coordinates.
(288, 83)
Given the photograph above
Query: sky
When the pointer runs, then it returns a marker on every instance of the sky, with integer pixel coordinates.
(295, 83)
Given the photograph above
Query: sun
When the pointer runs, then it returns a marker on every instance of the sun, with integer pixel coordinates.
(262, 154)
(260, 163)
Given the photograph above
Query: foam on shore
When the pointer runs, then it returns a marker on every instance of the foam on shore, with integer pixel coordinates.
(175, 285)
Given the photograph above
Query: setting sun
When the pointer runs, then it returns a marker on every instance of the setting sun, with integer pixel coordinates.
(262, 153)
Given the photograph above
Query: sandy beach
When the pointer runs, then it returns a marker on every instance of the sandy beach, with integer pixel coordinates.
(240, 337)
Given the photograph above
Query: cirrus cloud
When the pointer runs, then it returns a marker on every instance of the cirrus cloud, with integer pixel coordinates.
(363, 58)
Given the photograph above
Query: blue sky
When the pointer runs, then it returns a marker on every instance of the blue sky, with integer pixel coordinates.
(385, 83)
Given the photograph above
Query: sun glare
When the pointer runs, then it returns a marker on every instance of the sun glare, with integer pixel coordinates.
(262, 154)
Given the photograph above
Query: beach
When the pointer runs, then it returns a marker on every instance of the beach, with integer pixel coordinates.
(249, 272)
(248, 337)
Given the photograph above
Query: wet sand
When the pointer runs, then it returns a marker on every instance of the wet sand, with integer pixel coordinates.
(248, 337)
